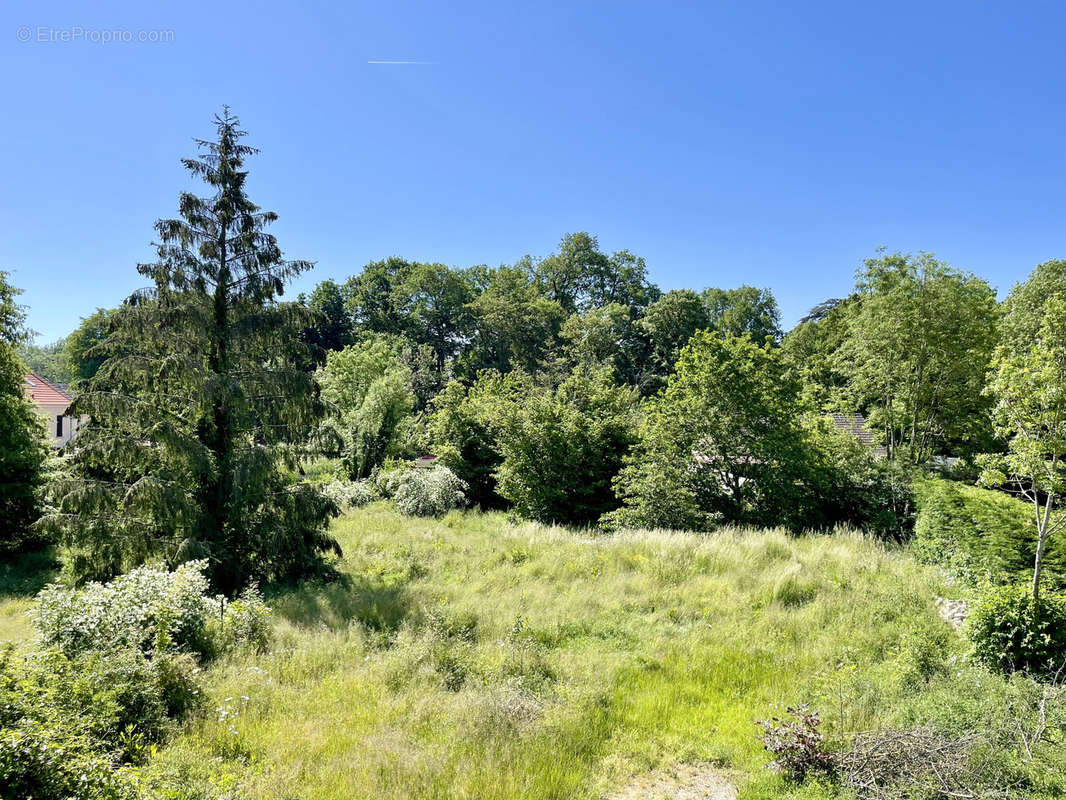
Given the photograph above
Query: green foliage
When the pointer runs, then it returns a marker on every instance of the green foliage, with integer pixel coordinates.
(193, 412)
(463, 430)
(68, 723)
(923, 652)
(23, 448)
(149, 610)
(721, 442)
(667, 325)
(847, 485)
(1023, 309)
(50, 729)
(744, 311)
(561, 448)
(86, 347)
(427, 303)
(332, 327)
(979, 533)
(422, 492)
(1029, 387)
(350, 494)
(1013, 632)
(433, 302)
(810, 349)
(48, 360)
(515, 324)
(242, 623)
(580, 277)
(368, 388)
(603, 337)
(919, 342)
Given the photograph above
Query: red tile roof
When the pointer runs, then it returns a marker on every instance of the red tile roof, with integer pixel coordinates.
(44, 393)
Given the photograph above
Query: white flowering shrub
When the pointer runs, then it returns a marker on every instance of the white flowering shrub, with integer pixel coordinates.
(428, 492)
(349, 494)
(389, 477)
(152, 610)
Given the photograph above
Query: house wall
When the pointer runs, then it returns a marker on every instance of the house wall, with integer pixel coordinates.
(49, 412)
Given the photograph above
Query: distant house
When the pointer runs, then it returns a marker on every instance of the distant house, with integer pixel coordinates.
(52, 404)
(855, 424)
(425, 461)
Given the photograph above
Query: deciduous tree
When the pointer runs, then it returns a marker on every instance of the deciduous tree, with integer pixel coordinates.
(916, 353)
(721, 442)
(1028, 383)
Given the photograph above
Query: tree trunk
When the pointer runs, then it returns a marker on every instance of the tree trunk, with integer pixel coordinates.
(1043, 521)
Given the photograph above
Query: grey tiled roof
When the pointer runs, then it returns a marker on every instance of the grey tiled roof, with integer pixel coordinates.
(855, 424)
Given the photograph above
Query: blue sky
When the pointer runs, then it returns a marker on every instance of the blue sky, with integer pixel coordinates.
(726, 142)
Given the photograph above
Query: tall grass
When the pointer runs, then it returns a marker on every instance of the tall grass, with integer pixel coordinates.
(21, 577)
(471, 657)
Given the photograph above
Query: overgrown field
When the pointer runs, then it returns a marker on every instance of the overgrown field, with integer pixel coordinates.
(472, 658)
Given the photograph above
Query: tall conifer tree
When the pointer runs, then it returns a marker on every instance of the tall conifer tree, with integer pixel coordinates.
(194, 411)
(23, 449)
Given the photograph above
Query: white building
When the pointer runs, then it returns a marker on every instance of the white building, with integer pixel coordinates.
(52, 403)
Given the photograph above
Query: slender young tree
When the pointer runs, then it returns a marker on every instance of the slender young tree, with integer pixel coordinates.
(1029, 388)
(193, 412)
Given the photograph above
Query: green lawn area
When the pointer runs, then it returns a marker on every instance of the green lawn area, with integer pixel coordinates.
(19, 581)
(471, 657)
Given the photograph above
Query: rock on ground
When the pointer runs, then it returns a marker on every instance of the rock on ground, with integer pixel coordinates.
(953, 611)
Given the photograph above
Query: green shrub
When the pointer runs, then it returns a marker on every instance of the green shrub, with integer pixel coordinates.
(848, 486)
(1011, 633)
(719, 442)
(350, 494)
(562, 449)
(244, 622)
(46, 762)
(923, 652)
(150, 610)
(426, 492)
(980, 533)
(67, 723)
(462, 430)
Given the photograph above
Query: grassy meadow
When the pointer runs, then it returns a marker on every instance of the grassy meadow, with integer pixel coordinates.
(470, 657)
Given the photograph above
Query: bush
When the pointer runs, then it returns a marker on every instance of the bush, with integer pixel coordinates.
(797, 745)
(350, 494)
(244, 622)
(1011, 633)
(722, 439)
(425, 492)
(68, 723)
(980, 533)
(149, 610)
(462, 429)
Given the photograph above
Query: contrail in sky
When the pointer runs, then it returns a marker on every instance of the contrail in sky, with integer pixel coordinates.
(399, 62)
